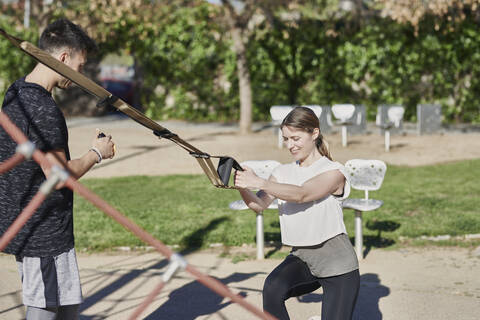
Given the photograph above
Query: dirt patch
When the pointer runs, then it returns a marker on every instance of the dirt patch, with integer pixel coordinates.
(141, 153)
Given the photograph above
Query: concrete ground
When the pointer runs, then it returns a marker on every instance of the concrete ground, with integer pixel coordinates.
(412, 283)
(416, 284)
(139, 152)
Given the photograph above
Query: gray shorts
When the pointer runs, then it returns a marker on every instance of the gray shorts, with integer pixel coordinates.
(333, 257)
(49, 282)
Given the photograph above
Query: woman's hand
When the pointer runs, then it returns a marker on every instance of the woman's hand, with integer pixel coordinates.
(248, 179)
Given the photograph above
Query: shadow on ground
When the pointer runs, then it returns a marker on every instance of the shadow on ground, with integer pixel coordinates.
(115, 286)
(194, 300)
(195, 240)
(187, 302)
(378, 241)
(371, 291)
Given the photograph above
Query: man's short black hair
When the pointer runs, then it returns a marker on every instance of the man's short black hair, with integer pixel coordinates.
(63, 33)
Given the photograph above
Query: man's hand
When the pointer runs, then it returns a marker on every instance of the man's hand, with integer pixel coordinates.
(104, 144)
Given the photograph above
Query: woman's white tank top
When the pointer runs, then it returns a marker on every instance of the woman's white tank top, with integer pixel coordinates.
(310, 223)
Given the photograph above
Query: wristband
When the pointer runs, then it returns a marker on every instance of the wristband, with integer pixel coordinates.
(95, 149)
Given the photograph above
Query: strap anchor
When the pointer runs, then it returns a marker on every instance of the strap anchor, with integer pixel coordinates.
(107, 101)
(176, 262)
(165, 133)
(26, 149)
(202, 155)
(58, 174)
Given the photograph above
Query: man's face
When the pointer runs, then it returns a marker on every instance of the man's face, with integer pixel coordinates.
(75, 60)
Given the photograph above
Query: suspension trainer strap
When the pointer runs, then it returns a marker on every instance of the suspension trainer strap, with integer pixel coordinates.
(218, 176)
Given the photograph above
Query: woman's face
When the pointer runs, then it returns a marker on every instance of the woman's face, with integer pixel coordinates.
(299, 142)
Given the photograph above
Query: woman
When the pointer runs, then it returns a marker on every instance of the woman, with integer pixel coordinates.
(309, 193)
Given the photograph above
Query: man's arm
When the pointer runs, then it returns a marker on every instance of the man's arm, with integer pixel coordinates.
(78, 167)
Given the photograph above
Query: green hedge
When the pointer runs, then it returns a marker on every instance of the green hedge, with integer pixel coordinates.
(186, 55)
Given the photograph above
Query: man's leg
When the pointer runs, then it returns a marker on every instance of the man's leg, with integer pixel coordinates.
(34, 313)
(53, 282)
(61, 313)
(68, 312)
(39, 287)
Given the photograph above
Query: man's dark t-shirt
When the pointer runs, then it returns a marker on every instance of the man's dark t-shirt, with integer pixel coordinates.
(49, 231)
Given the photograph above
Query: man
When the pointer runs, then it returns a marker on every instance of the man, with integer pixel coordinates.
(44, 247)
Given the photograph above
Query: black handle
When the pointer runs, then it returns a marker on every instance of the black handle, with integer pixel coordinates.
(224, 170)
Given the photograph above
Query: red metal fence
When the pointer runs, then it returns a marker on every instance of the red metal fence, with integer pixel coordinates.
(26, 150)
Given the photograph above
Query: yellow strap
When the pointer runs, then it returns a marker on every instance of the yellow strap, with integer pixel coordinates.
(100, 92)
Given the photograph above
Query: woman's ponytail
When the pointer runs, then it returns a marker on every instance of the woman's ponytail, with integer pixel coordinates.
(322, 146)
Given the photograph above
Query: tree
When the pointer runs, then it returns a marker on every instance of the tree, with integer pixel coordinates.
(11, 22)
(446, 40)
(301, 44)
(238, 24)
(412, 11)
(243, 17)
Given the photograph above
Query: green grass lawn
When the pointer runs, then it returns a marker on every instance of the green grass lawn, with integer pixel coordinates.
(186, 210)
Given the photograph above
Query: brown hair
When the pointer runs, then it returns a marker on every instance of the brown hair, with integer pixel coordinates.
(63, 33)
(305, 119)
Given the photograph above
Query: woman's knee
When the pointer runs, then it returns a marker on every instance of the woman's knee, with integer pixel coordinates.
(273, 288)
(276, 287)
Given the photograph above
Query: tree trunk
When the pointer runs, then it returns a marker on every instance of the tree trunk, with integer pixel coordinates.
(293, 89)
(137, 83)
(41, 13)
(244, 82)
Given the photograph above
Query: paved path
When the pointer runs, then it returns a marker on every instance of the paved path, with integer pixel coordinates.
(416, 284)
(139, 152)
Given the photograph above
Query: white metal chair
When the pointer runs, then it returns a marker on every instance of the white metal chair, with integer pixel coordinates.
(394, 118)
(263, 169)
(366, 175)
(343, 112)
(316, 109)
(278, 113)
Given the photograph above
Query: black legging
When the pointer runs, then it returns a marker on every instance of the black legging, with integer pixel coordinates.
(292, 278)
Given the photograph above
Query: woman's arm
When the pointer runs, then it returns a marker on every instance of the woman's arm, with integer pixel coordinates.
(259, 201)
(318, 187)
